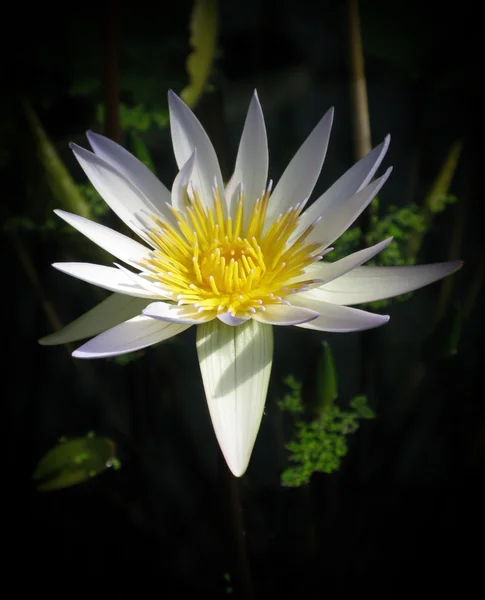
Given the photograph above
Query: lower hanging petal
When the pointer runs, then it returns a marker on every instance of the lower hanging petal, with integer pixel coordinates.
(135, 334)
(171, 313)
(284, 314)
(235, 363)
(110, 312)
(339, 319)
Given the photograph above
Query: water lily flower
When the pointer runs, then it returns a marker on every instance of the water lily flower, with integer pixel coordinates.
(233, 260)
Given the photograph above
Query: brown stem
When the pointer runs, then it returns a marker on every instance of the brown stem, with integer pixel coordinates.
(358, 85)
(112, 109)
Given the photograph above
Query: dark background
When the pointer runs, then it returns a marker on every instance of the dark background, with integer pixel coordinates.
(406, 508)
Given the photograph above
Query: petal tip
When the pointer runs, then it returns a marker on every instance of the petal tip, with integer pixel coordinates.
(238, 471)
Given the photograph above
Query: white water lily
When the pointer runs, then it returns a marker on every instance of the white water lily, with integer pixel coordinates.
(233, 260)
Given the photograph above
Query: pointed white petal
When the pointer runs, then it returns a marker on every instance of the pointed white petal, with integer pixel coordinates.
(131, 168)
(153, 288)
(179, 188)
(339, 319)
(251, 163)
(229, 319)
(108, 313)
(340, 217)
(121, 195)
(135, 334)
(326, 272)
(117, 244)
(172, 313)
(187, 134)
(298, 180)
(235, 363)
(282, 314)
(108, 278)
(366, 284)
(351, 182)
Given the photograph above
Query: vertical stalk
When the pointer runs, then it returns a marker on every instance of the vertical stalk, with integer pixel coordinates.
(31, 273)
(111, 99)
(358, 84)
(362, 146)
(231, 492)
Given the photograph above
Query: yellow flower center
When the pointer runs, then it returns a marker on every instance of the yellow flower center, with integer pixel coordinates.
(213, 263)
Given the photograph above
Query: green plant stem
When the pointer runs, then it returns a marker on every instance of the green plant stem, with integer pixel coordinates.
(243, 582)
(40, 293)
(459, 222)
(362, 146)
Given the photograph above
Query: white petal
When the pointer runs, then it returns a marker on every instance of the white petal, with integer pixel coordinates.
(251, 163)
(133, 169)
(153, 288)
(235, 363)
(282, 314)
(115, 243)
(366, 284)
(298, 180)
(175, 314)
(340, 217)
(121, 195)
(339, 319)
(108, 313)
(179, 188)
(351, 182)
(327, 272)
(229, 319)
(135, 334)
(108, 278)
(187, 134)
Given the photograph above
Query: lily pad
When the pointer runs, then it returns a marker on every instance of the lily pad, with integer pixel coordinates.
(75, 460)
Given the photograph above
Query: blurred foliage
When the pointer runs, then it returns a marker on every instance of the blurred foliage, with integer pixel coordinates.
(137, 146)
(61, 185)
(319, 444)
(203, 39)
(321, 427)
(138, 117)
(437, 199)
(75, 460)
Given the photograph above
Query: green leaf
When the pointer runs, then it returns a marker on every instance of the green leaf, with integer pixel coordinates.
(438, 197)
(359, 404)
(203, 38)
(73, 461)
(327, 387)
(61, 185)
(292, 402)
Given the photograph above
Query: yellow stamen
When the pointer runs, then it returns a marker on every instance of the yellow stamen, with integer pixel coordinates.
(213, 263)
